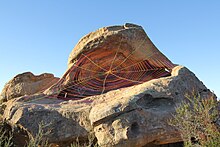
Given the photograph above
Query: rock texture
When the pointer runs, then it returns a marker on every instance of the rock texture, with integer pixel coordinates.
(111, 58)
(126, 38)
(66, 121)
(122, 108)
(27, 84)
(140, 115)
(127, 117)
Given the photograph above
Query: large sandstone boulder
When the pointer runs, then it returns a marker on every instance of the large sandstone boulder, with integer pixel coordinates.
(27, 84)
(128, 39)
(66, 120)
(108, 59)
(118, 86)
(138, 115)
(132, 116)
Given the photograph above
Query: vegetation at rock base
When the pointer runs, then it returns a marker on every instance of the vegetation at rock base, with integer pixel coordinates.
(6, 138)
(195, 119)
(38, 139)
(92, 142)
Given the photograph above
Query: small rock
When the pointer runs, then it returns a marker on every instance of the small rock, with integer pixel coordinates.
(27, 84)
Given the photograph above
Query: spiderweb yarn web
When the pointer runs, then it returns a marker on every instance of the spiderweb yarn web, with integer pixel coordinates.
(97, 72)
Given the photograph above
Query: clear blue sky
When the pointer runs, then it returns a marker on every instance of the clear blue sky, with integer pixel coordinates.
(38, 35)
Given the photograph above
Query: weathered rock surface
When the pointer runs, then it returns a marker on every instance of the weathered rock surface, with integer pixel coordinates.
(120, 86)
(138, 115)
(111, 58)
(125, 38)
(27, 84)
(66, 120)
(127, 117)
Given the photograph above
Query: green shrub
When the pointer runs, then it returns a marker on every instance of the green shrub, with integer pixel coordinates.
(195, 119)
(5, 140)
(5, 137)
(38, 140)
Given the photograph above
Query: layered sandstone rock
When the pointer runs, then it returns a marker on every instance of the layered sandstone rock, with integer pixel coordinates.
(140, 115)
(118, 86)
(133, 116)
(108, 59)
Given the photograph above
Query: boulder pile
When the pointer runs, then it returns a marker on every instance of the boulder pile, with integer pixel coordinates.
(118, 86)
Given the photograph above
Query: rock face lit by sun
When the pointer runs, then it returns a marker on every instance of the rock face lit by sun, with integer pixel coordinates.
(117, 85)
(108, 59)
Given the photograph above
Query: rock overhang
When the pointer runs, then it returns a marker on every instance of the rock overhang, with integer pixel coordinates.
(110, 58)
(133, 115)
